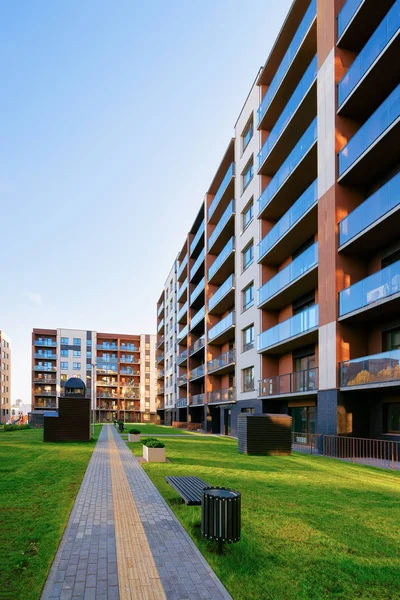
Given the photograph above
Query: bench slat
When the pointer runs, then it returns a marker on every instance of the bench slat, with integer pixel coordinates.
(189, 488)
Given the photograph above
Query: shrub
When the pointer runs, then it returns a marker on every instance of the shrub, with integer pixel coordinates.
(16, 427)
(153, 443)
(134, 431)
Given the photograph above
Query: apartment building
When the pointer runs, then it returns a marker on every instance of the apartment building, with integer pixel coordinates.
(122, 367)
(5, 377)
(289, 279)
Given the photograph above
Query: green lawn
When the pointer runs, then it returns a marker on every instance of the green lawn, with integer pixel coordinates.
(38, 485)
(312, 528)
(150, 429)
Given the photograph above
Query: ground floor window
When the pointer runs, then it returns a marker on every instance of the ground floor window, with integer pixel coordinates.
(393, 417)
(303, 419)
(247, 410)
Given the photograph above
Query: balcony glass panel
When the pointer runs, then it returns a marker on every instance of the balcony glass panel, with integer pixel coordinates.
(291, 107)
(182, 265)
(221, 292)
(183, 310)
(181, 403)
(221, 258)
(45, 356)
(160, 325)
(296, 325)
(300, 265)
(198, 317)
(161, 308)
(376, 368)
(294, 214)
(216, 200)
(181, 334)
(196, 266)
(50, 343)
(182, 288)
(223, 360)
(372, 209)
(198, 345)
(197, 372)
(372, 49)
(222, 326)
(224, 395)
(196, 399)
(347, 13)
(290, 383)
(372, 129)
(182, 356)
(182, 379)
(197, 290)
(230, 210)
(299, 151)
(380, 285)
(288, 58)
(197, 237)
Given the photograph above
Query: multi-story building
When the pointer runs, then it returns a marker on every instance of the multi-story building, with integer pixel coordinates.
(5, 378)
(122, 367)
(289, 279)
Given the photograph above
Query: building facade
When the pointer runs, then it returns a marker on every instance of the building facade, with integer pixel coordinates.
(288, 283)
(122, 367)
(5, 377)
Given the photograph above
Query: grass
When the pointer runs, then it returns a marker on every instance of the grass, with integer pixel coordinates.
(313, 528)
(150, 429)
(38, 485)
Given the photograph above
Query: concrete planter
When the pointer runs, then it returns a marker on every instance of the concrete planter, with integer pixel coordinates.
(133, 437)
(154, 454)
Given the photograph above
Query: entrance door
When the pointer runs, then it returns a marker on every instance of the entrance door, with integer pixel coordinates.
(303, 419)
(227, 421)
(304, 378)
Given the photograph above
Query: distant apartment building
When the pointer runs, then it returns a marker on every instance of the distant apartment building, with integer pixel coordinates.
(5, 377)
(288, 282)
(120, 367)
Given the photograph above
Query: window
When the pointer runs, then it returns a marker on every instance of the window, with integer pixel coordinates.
(247, 174)
(248, 379)
(64, 366)
(393, 417)
(77, 366)
(77, 353)
(247, 215)
(248, 255)
(248, 338)
(391, 340)
(64, 340)
(247, 134)
(88, 342)
(303, 303)
(64, 353)
(248, 296)
(77, 341)
(247, 410)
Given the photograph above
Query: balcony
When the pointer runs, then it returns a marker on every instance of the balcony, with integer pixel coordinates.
(226, 395)
(111, 383)
(197, 372)
(160, 342)
(128, 372)
(299, 330)
(200, 287)
(223, 298)
(182, 269)
(363, 230)
(376, 370)
(198, 318)
(213, 213)
(43, 404)
(299, 383)
(39, 392)
(129, 360)
(297, 172)
(42, 356)
(357, 21)
(199, 235)
(374, 149)
(160, 309)
(299, 277)
(105, 394)
(297, 114)
(46, 343)
(298, 55)
(160, 359)
(160, 326)
(160, 390)
(182, 379)
(181, 403)
(197, 346)
(298, 224)
(43, 381)
(182, 313)
(129, 348)
(374, 294)
(224, 264)
(223, 331)
(107, 347)
(195, 270)
(224, 229)
(372, 75)
(182, 334)
(44, 368)
(182, 357)
(196, 400)
(181, 295)
(222, 363)
(160, 373)
(160, 404)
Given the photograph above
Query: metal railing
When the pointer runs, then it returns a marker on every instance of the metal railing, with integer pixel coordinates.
(197, 372)
(310, 443)
(221, 396)
(377, 453)
(290, 383)
(196, 400)
(223, 360)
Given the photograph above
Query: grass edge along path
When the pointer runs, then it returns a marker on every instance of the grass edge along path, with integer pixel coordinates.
(38, 486)
(313, 528)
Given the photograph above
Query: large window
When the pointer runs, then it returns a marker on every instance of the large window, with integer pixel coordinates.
(64, 353)
(248, 338)
(391, 340)
(247, 134)
(248, 215)
(248, 255)
(247, 174)
(77, 353)
(77, 366)
(303, 419)
(65, 340)
(248, 379)
(64, 366)
(248, 296)
(77, 341)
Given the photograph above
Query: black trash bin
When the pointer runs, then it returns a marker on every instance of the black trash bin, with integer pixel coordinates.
(220, 515)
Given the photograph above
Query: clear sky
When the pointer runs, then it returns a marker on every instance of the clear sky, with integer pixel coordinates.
(114, 116)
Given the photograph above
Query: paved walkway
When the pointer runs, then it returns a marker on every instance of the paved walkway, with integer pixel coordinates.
(123, 542)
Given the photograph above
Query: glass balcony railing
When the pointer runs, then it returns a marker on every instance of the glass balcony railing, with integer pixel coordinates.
(296, 325)
(376, 368)
(160, 373)
(199, 261)
(129, 347)
(182, 288)
(160, 309)
(347, 13)
(380, 285)
(381, 37)
(304, 144)
(182, 311)
(182, 265)
(129, 372)
(196, 400)
(182, 357)
(43, 356)
(216, 200)
(182, 379)
(182, 333)
(197, 372)
(221, 258)
(160, 358)
(287, 60)
(372, 129)
(308, 199)
(44, 368)
(225, 323)
(107, 347)
(226, 287)
(197, 237)
(223, 360)
(197, 345)
(199, 316)
(197, 290)
(372, 209)
(291, 107)
(224, 395)
(230, 210)
(181, 403)
(48, 343)
(160, 326)
(300, 265)
(290, 383)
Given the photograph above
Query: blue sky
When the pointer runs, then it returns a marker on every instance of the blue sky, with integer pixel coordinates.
(114, 116)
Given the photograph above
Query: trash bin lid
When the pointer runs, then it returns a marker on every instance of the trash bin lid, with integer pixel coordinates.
(221, 493)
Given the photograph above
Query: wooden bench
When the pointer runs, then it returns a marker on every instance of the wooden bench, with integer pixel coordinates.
(189, 488)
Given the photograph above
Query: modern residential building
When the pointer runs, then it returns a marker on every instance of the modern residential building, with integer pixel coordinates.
(5, 377)
(122, 367)
(289, 279)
